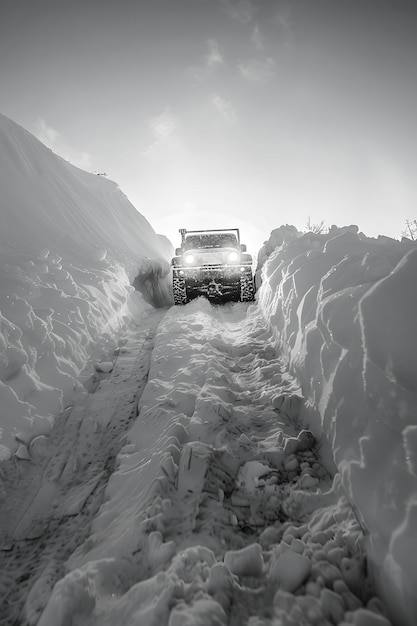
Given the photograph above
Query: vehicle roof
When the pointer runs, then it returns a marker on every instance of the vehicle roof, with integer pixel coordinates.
(213, 231)
(211, 239)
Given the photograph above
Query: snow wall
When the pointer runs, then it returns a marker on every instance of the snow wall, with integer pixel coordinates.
(343, 308)
(71, 247)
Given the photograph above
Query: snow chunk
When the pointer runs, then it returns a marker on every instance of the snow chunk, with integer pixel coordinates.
(73, 595)
(245, 562)
(290, 570)
(332, 606)
(363, 617)
(103, 366)
(219, 578)
(204, 612)
(158, 552)
(22, 452)
(249, 475)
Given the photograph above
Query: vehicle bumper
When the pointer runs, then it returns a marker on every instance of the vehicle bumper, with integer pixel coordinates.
(211, 281)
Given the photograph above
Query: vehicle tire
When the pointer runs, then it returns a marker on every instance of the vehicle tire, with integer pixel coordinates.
(247, 286)
(179, 290)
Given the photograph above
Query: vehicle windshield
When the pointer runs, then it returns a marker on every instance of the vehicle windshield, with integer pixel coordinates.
(211, 240)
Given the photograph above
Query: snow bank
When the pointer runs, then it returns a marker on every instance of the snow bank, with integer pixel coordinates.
(71, 246)
(343, 308)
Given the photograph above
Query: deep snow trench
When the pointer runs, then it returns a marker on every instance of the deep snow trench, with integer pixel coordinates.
(200, 498)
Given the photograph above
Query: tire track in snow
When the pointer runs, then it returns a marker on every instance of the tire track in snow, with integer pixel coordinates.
(262, 495)
(225, 509)
(49, 499)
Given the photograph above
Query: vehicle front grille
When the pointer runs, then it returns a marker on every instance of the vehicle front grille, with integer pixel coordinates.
(209, 268)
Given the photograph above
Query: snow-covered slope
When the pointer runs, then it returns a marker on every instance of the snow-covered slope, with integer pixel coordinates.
(71, 245)
(344, 311)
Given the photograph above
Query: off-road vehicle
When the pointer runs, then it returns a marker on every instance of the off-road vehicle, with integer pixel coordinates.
(214, 264)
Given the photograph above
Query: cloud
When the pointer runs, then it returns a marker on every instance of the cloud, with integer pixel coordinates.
(283, 20)
(257, 38)
(163, 128)
(257, 71)
(198, 73)
(56, 142)
(213, 60)
(225, 108)
(242, 10)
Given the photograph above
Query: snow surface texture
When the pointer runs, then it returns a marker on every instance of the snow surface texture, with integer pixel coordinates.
(50, 495)
(222, 509)
(271, 456)
(344, 311)
(71, 246)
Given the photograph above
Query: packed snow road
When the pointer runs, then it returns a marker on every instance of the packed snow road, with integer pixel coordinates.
(218, 506)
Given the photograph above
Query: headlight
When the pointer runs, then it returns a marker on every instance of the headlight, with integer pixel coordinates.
(233, 256)
(189, 258)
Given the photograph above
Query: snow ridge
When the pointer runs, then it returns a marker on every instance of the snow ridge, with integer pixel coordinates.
(343, 309)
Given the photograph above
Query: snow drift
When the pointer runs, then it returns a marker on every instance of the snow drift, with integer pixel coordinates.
(343, 308)
(71, 246)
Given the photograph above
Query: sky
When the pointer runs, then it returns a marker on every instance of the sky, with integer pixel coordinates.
(226, 113)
